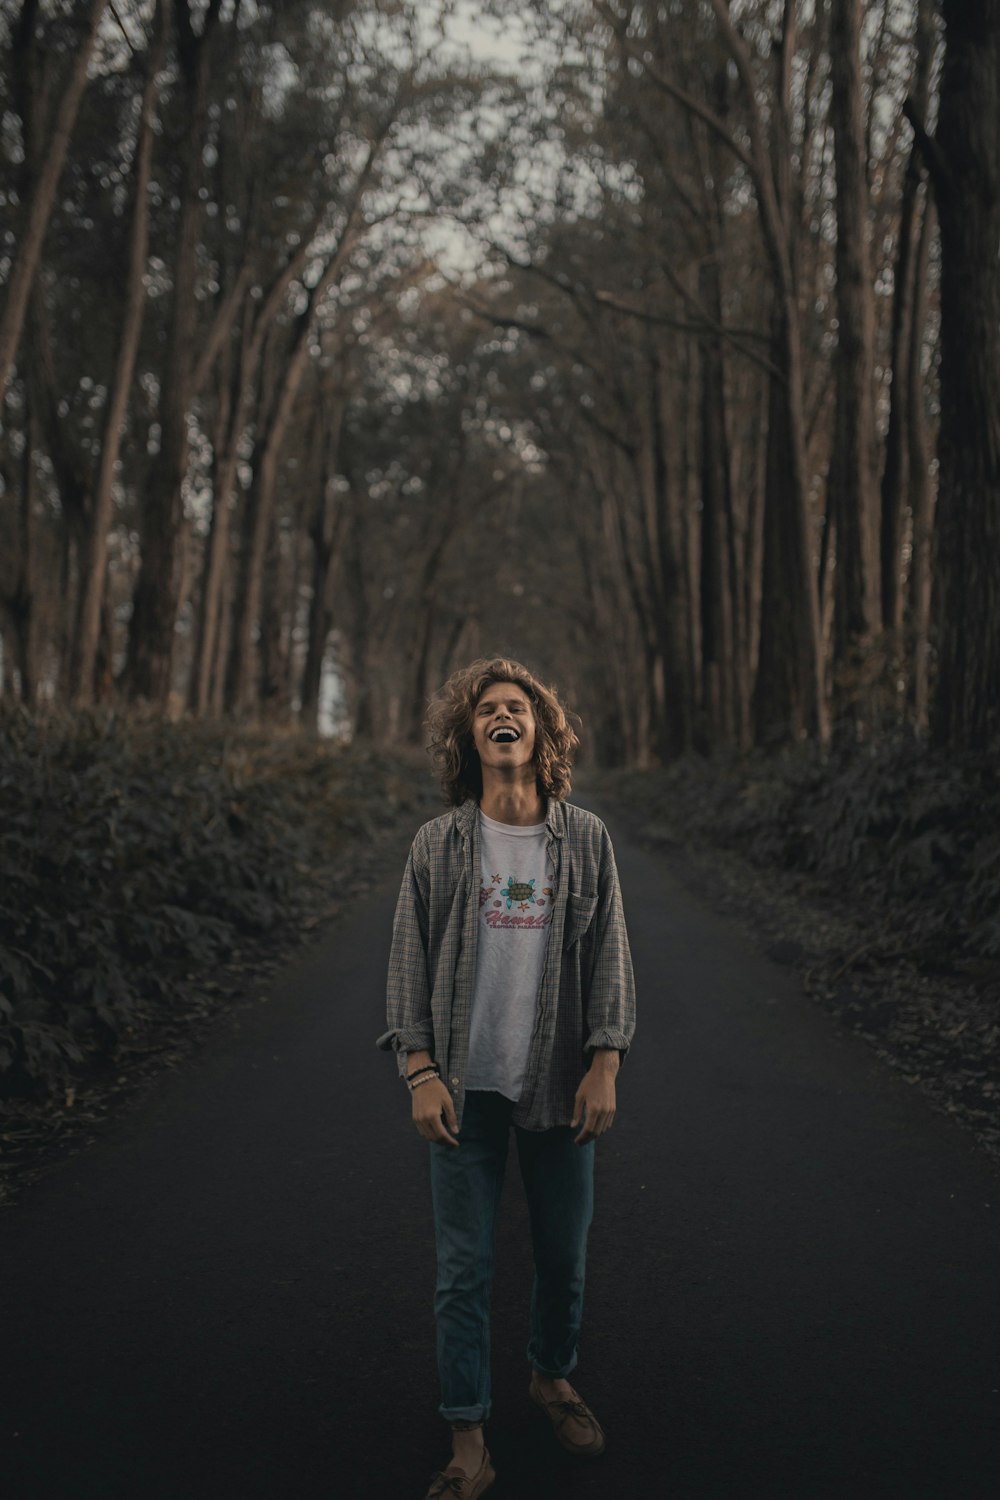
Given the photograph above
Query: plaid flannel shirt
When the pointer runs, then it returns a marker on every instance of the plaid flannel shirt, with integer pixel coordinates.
(586, 998)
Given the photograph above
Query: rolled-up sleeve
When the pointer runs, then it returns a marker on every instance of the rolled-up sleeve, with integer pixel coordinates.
(610, 998)
(408, 997)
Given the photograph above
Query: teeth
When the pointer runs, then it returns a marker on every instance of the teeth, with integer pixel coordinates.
(504, 734)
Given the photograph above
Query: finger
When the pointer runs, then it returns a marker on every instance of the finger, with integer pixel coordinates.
(595, 1127)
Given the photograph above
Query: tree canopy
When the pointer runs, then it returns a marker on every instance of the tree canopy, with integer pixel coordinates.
(651, 342)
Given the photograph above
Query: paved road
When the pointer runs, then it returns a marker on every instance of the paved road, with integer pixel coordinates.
(792, 1285)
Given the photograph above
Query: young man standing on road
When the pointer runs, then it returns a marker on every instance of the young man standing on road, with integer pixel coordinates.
(511, 1002)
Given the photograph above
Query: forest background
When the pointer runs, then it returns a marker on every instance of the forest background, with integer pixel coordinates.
(656, 344)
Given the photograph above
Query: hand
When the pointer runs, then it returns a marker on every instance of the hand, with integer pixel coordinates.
(595, 1098)
(431, 1101)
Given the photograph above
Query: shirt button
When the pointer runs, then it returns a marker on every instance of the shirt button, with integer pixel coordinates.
(454, 1080)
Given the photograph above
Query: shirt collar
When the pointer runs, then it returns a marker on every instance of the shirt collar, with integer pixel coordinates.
(555, 817)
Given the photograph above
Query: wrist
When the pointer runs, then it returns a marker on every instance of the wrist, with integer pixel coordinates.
(605, 1060)
(420, 1068)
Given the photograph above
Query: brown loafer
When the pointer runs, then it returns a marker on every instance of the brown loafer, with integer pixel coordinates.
(453, 1483)
(559, 1412)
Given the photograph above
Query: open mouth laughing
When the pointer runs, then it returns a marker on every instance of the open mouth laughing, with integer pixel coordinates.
(504, 734)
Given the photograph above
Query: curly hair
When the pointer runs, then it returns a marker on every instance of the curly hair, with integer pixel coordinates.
(449, 730)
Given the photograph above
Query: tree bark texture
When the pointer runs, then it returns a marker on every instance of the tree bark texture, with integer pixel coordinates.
(260, 501)
(720, 692)
(154, 604)
(923, 492)
(324, 535)
(20, 601)
(966, 165)
(852, 493)
(94, 562)
(786, 691)
(232, 402)
(908, 299)
(43, 194)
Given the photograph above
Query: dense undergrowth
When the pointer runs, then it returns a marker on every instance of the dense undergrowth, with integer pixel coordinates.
(906, 834)
(138, 856)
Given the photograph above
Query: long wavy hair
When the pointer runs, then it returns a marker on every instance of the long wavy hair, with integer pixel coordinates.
(449, 730)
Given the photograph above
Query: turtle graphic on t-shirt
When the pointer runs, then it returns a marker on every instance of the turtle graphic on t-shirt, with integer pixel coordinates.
(518, 890)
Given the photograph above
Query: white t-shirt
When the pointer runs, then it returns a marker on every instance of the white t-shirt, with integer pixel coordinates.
(516, 894)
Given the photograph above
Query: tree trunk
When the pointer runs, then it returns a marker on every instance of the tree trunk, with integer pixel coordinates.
(154, 606)
(786, 691)
(94, 568)
(717, 638)
(242, 670)
(71, 469)
(790, 599)
(789, 687)
(966, 164)
(907, 293)
(20, 602)
(224, 635)
(232, 405)
(277, 621)
(260, 502)
(320, 613)
(217, 555)
(359, 684)
(895, 474)
(324, 527)
(922, 491)
(852, 494)
(29, 252)
(662, 528)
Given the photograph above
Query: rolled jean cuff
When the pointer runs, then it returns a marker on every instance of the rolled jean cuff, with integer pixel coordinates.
(562, 1374)
(464, 1413)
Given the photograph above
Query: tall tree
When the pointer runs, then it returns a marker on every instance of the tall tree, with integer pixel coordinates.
(964, 157)
(907, 335)
(154, 606)
(790, 696)
(852, 492)
(46, 159)
(94, 563)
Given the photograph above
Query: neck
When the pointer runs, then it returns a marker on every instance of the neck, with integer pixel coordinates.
(517, 802)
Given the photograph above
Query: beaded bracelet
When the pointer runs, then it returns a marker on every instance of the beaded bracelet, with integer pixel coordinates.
(426, 1079)
(431, 1070)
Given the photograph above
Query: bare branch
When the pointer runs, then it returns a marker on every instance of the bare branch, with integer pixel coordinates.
(662, 81)
(128, 40)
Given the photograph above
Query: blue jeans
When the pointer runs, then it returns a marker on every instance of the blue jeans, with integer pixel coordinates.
(466, 1183)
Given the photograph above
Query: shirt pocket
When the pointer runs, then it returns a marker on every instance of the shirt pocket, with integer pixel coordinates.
(579, 915)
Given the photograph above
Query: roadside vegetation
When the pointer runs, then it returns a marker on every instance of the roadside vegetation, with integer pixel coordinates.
(148, 869)
(874, 869)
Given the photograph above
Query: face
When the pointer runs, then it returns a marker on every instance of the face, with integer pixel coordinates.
(503, 727)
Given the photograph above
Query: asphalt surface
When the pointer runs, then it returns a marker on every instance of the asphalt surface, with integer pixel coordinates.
(793, 1280)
